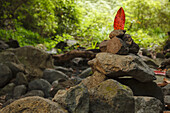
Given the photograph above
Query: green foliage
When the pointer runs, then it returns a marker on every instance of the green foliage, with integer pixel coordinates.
(24, 37)
(147, 21)
(89, 21)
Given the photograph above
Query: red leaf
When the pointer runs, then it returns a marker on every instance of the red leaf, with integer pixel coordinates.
(119, 21)
(157, 72)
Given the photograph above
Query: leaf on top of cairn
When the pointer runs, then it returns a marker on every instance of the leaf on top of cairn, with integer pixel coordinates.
(119, 21)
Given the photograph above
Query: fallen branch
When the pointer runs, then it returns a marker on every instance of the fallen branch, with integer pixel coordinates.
(73, 54)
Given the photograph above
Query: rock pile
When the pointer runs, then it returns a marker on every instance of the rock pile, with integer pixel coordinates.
(119, 43)
(118, 81)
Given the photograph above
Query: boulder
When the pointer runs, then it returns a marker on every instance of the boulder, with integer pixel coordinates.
(147, 105)
(113, 65)
(34, 60)
(5, 75)
(19, 91)
(111, 97)
(75, 99)
(117, 33)
(40, 84)
(117, 46)
(51, 75)
(150, 89)
(33, 104)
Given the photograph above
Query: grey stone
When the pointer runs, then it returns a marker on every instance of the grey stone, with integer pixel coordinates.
(150, 89)
(85, 73)
(113, 65)
(75, 99)
(21, 79)
(147, 105)
(19, 91)
(150, 62)
(33, 104)
(111, 97)
(34, 93)
(7, 89)
(51, 75)
(63, 69)
(15, 68)
(166, 89)
(167, 99)
(5, 75)
(40, 84)
(60, 84)
(75, 79)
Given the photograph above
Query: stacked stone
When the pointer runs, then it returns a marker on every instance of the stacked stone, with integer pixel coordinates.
(119, 43)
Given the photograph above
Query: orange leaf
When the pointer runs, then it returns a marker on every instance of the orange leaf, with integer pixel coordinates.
(119, 21)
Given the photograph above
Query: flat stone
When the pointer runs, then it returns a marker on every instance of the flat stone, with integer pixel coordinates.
(117, 33)
(113, 65)
(51, 75)
(34, 93)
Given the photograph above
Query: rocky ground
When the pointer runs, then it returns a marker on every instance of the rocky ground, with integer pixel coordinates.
(108, 83)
